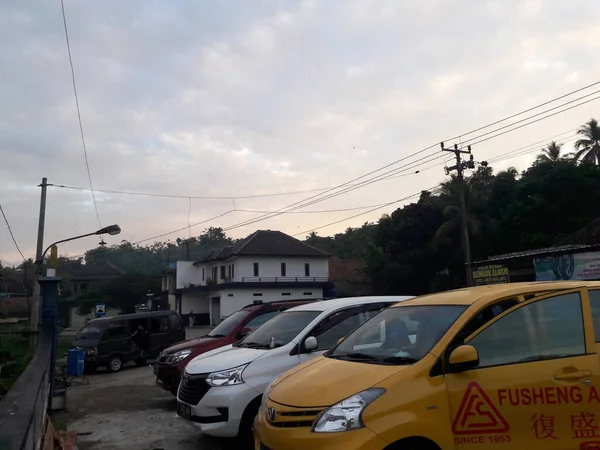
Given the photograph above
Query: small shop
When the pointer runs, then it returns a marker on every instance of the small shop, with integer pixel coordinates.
(568, 262)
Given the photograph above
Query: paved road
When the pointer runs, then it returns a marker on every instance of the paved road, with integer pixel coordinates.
(126, 410)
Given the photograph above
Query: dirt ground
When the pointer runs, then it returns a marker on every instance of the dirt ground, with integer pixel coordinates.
(126, 410)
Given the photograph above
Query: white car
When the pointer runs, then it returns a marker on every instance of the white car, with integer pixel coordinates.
(221, 390)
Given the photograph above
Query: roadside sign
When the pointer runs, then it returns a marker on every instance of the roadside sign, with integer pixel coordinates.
(142, 307)
(100, 310)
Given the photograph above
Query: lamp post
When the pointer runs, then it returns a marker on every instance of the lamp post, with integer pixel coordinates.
(35, 302)
(111, 230)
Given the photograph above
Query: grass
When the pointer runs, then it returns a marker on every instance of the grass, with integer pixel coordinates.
(14, 357)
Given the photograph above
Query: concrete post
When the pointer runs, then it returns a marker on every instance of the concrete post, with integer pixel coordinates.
(49, 297)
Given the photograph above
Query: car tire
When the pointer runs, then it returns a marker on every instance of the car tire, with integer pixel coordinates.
(245, 437)
(115, 363)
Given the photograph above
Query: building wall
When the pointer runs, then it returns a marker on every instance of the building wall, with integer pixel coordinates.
(232, 300)
(186, 274)
(78, 322)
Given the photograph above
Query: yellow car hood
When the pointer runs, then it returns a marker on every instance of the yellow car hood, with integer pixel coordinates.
(326, 381)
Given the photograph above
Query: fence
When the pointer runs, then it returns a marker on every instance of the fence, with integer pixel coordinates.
(23, 408)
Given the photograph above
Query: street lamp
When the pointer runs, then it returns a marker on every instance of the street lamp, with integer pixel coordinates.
(111, 230)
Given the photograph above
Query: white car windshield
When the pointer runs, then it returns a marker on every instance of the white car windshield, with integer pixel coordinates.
(398, 335)
(280, 330)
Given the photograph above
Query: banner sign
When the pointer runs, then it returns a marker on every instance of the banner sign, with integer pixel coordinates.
(578, 266)
(492, 274)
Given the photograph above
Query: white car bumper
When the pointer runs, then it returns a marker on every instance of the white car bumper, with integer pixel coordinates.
(220, 410)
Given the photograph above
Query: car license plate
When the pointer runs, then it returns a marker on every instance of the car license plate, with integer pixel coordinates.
(184, 410)
(156, 369)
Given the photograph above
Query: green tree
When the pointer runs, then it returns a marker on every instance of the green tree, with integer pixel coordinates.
(588, 147)
(550, 154)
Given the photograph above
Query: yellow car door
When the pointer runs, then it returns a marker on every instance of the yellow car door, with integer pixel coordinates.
(537, 381)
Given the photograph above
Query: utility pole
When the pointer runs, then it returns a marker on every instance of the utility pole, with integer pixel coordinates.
(460, 167)
(34, 314)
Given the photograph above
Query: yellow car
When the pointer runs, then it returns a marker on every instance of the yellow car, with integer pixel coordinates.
(511, 366)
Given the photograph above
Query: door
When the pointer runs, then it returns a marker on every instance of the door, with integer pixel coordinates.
(537, 384)
(160, 335)
(116, 339)
(215, 311)
(336, 326)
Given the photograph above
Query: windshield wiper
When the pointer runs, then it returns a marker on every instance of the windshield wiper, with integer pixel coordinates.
(357, 356)
(253, 345)
(399, 360)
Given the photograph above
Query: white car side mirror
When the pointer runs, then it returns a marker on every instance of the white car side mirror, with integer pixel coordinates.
(310, 343)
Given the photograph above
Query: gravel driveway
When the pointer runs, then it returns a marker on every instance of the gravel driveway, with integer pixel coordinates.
(126, 410)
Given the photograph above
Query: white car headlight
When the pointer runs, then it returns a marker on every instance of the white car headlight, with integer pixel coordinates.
(227, 377)
(178, 356)
(266, 393)
(346, 415)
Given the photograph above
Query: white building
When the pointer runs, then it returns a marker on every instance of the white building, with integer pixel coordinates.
(267, 265)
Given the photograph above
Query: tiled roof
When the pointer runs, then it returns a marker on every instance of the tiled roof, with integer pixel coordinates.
(266, 243)
(101, 269)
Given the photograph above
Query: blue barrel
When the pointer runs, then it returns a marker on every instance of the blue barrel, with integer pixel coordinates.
(75, 362)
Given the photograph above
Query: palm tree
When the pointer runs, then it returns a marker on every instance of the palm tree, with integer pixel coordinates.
(588, 147)
(550, 154)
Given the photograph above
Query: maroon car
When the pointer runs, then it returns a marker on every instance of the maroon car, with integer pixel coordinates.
(172, 361)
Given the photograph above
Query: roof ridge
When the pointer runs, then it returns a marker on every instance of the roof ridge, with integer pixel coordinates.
(247, 240)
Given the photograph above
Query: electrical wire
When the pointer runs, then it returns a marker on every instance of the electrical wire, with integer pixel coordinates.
(363, 213)
(85, 155)
(11, 234)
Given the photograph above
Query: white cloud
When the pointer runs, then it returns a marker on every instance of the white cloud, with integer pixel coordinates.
(216, 99)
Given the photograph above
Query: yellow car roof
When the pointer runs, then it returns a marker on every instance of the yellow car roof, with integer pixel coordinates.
(470, 295)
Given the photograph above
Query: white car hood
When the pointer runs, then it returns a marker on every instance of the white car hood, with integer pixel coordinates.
(222, 359)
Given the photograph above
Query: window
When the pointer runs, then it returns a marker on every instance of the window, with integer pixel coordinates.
(256, 272)
(283, 270)
(229, 295)
(257, 295)
(259, 320)
(232, 271)
(159, 325)
(339, 324)
(545, 329)
(223, 272)
(286, 293)
(307, 293)
(214, 273)
(307, 269)
(229, 271)
(116, 330)
(595, 303)
(484, 316)
(175, 322)
(203, 274)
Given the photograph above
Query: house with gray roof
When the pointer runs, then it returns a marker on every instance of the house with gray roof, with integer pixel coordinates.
(265, 266)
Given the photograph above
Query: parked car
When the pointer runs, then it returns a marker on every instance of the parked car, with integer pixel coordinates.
(482, 367)
(108, 342)
(172, 361)
(221, 391)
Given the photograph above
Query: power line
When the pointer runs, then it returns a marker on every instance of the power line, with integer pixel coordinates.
(316, 199)
(87, 164)
(363, 213)
(11, 234)
(392, 173)
(193, 197)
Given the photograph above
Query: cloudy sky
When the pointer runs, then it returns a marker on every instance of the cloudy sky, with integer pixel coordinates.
(241, 98)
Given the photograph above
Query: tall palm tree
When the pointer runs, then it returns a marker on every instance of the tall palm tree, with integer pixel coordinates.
(550, 154)
(588, 147)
